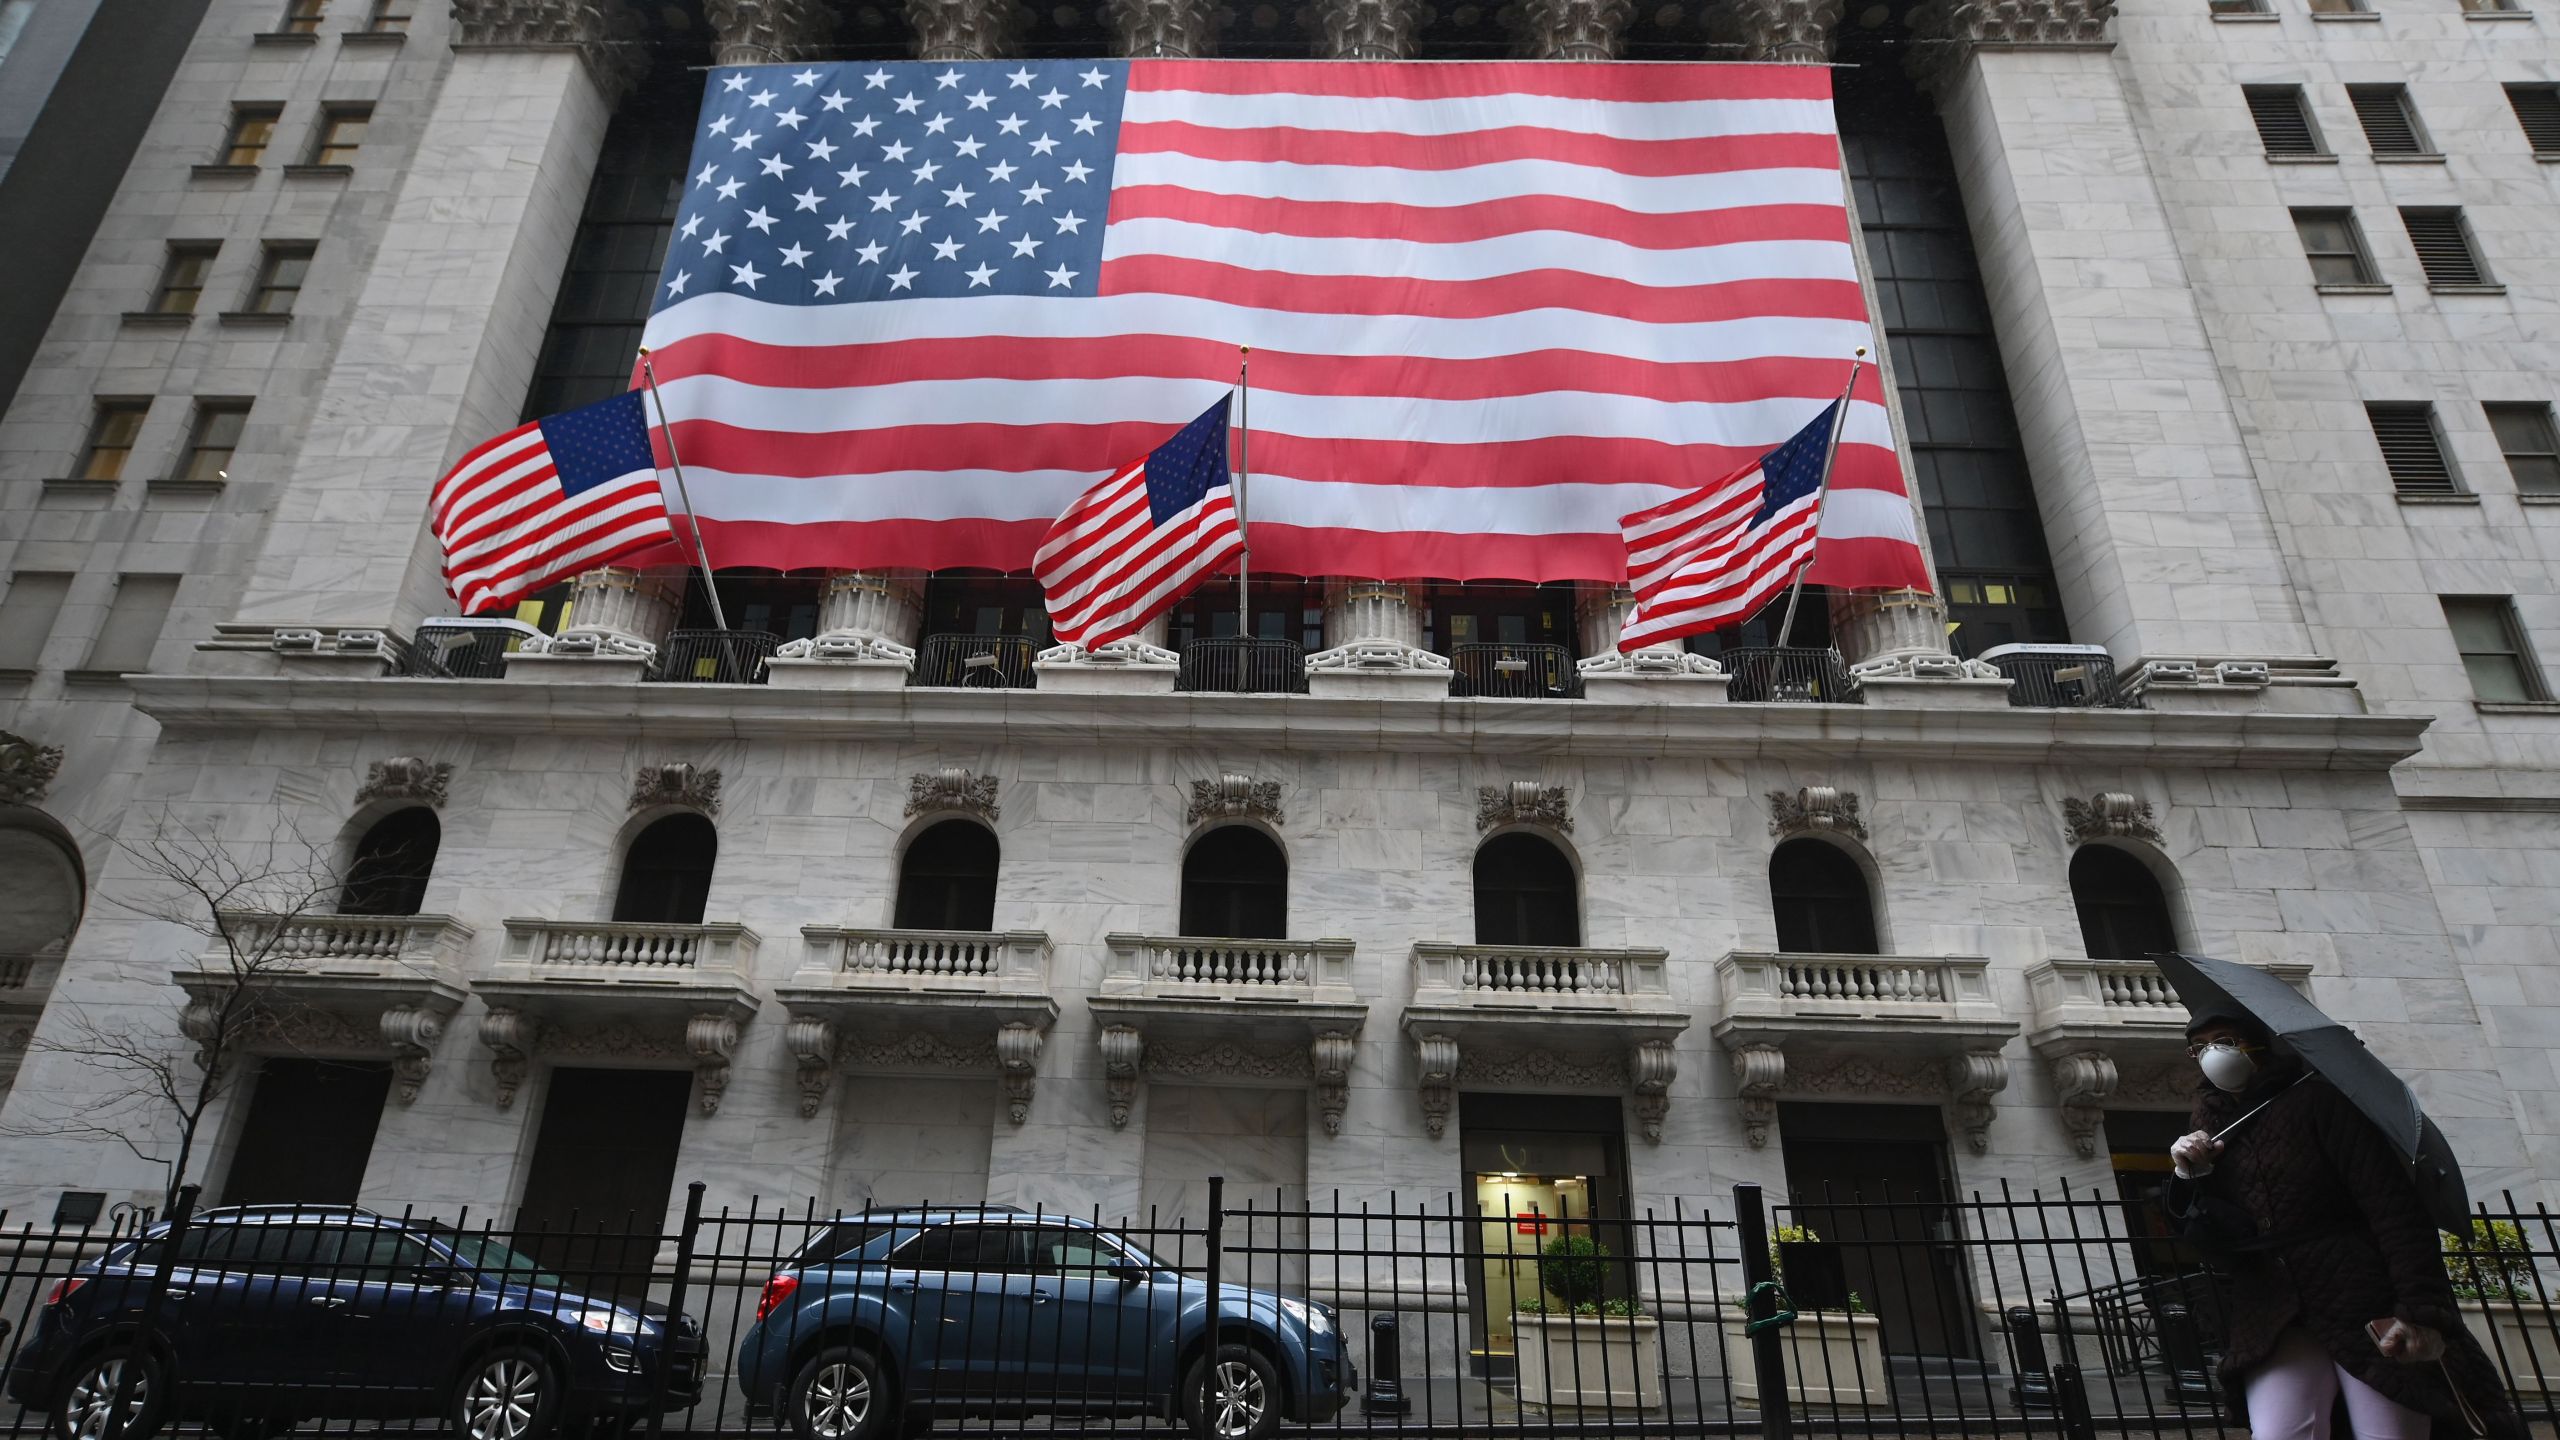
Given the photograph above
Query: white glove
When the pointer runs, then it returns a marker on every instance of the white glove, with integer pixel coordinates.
(2193, 1155)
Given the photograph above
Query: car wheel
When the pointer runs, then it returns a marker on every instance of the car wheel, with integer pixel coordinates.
(1244, 1395)
(509, 1393)
(86, 1395)
(841, 1394)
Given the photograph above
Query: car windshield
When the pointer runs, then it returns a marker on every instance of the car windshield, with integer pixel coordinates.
(491, 1258)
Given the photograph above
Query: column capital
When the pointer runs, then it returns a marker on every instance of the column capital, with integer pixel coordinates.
(1797, 31)
(1165, 29)
(761, 32)
(1576, 29)
(961, 29)
(604, 32)
(1370, 29)
(1947, 32)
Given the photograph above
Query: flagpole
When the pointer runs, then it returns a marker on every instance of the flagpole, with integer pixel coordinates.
(1821, 488)
(701, 557)
(1244, 472)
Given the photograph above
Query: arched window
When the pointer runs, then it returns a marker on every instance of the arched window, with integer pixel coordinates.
(948, 879)
(1821, 896)
(1526, 893)
(392, 861)
(666, 874)
(2123, 914)
(1235, 882)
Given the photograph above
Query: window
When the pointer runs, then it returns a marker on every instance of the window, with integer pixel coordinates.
(2493, 649)
(2336, 7)
(2444, 248)
(2334, 244)
(1526, 893)
(2237, 7)
(1235, 883)
(1822, 901)
(14, 15)
(666, 875)
(2487, 7)
(182, 277)
(984, 1249)
(2532, 447)
(392, 862)
(134, 621)
(215, 437)
(27, 613)
(281, 270)
(302, 17)
(2390, 122)
(111, 435)
(2123, 914)
(389, 17)
(948, 879)
(2411, 449)
(2284, 121)
(342, 130)
(253, 127)
(2537, 109)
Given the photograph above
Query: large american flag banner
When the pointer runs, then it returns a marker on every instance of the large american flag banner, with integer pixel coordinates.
(910, 311)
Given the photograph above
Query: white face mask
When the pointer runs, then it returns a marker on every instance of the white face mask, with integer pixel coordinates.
(2229, 1068)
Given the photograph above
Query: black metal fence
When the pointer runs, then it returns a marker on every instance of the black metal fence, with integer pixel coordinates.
(716, 657)
(2034, 1316)
(1513, 672)
(1796, 674)
(464, 648)
(1243, 665)
(989, 662)
(2049, 677)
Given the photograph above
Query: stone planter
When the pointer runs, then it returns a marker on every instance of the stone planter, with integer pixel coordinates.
(1593, 1362)
(2518, 1337)
(1834, 1357)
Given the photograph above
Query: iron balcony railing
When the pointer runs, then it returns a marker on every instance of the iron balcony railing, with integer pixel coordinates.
(1513, 672)
(716, 657)
(466, 647)
(1793, 674)
(1243, 665)
(977, 662)
(2062, 677)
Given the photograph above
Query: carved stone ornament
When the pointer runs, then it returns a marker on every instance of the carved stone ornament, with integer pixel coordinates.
(2109, 813)
(510, 1036)
(1523, 802)
(1973, 1079)
(812, 1043)
(1536, 1067)
(2084, 1082)
(1331, 1056)
(1576, 29)
(913, 1051)
(1947, 32)
(1437, 1056)
(711, 1039)
(962, 29)
(1227, 1060)
(694, 787)
(1758, 1072)
(412, 1032)
(1018, 1066)
(953, 788)
(1123, 1051)
(1651, 1067)
(1165, 29)
(2169, 1085)
(1370, 29)
(1800, 31)
(1816, 807)
(1233, 797)
(406, 777)
(761, 32)
(26, 768)
(604, 32)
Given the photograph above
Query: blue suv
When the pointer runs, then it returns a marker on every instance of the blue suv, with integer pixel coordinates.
(890, 1319)
(281, 1314)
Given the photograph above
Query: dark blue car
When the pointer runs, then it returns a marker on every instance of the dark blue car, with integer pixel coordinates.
(891, 1319)
(277, 1315)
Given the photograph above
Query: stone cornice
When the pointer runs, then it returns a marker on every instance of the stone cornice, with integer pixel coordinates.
(1507, 728)
(604, 32)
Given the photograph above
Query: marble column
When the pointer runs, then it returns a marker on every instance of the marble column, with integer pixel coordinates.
(1370, 29)
(1797, 31)
(1575, 29)
(962, 29)
(1165, 29)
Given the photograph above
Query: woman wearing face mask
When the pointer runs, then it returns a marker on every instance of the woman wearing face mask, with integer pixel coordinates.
(2336, 1283)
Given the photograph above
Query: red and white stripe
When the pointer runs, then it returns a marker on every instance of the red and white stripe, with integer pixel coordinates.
(1108, 568)
(508, 529)
(1493, 307)
(1715, 569)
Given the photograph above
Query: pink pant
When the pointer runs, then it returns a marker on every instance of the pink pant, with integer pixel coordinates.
(2291, 1394)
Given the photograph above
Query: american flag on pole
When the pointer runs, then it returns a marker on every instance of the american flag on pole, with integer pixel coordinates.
(552, 497)
(1131, 547)
(910, 311)
(1713, 558)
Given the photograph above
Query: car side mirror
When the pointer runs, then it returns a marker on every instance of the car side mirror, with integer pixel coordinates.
(1129, 1271)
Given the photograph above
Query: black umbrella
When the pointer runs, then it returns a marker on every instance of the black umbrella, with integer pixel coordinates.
(2210, 986)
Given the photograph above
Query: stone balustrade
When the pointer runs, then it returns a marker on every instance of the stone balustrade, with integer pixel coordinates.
(1855, 987)
(621, 949)
(1515, 973)
(1167, 963)
(836, 955)
(2090, 1000)
(340, 944)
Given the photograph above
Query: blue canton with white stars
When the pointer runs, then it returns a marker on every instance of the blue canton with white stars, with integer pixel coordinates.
(596, 443)
(830, 183)
(1188, 466)
(1794, 470)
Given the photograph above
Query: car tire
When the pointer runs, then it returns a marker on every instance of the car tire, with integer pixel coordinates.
(510, 1392)
(842, 1393)
(1246, 1402)
(86, 1393)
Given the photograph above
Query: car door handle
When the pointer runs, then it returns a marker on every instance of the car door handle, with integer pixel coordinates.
(903, 1287)
(1040, 1296)
(326, 1302)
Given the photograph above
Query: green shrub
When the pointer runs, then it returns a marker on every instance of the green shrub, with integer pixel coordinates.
(2491, 1263)
(1572, 1268)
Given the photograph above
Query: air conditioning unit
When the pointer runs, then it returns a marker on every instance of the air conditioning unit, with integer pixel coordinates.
(2057, 676)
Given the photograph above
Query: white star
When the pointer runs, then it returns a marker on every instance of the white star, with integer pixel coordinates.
(762, 99)
(1061, 278)
(957, 195)
(712, 245)
(980, 100)
(806, 200)
(871, 252)
(876, 80)
(1035, 194)
(822, 149)
(1086, 124)
(1012, 124)
(991, 221)
(1078, 171)
(828, 282)
(805, 77)
(982, 275)
(792, 118)
(913, 224)
(937, 124)
(863, 127)
(734, 83)
(883, 200)
(776, 166)
(970, 147)
(894, 151)
(947, 79)
(746, 274)
(720, 126)
(851, 177)
(839, 229)
(946, 249)
(758, 220)
(709, 174)
(1071, 223)
(691, 224)
(1043, 145)
(729, 188)
(1092, 79)
(902, 279)
(792, 254)
(1026, 246)
(909, 103)
(927, 171)
(1001, 171)
(676, 286)
(1021, 79)
(835, 100)
(1053, 98)
(745, 142)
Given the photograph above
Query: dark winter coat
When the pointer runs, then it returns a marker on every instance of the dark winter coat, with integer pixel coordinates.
(2353, 1245)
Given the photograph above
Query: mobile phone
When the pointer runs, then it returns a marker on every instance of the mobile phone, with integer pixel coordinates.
(2377, 1329)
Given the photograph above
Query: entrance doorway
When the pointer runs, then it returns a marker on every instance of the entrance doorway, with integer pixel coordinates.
(1541, 1170)
(2138, 1146)
(604, 1163)
(1873, 1180)
(308, 1132)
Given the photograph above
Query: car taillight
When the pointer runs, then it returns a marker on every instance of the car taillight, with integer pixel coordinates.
(776, 1291)
(64, 1289)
